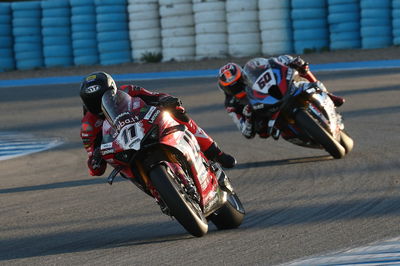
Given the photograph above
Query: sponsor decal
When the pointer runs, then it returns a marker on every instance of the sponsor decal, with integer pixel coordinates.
(151, 120)
(106, 146)
(123, 122)
(311, 90)
(92, 89)
(127, 121)
(91, 78)
(149, 113)
(105, 152)
(121, 115)
(258, 106)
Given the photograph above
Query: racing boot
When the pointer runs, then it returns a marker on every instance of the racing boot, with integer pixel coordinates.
(214, 153)
(337, 100)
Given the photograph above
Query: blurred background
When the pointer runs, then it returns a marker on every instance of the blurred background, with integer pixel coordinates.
(58, 33)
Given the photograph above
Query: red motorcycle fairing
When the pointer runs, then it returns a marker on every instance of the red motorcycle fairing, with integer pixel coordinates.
(181, 139)
(127, 123)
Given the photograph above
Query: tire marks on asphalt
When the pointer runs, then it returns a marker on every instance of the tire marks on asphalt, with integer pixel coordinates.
(14, 144)
(379, 253)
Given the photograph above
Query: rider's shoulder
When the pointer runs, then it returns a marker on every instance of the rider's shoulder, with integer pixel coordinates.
(131, 89)
(284, 59)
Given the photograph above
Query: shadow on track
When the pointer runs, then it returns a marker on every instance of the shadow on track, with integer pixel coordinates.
(74, 183)
(283, 162)
(324, 212)
(91, 239)
(372, 111)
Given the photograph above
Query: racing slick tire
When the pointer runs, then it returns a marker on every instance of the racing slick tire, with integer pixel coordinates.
(230, 215)
(186, 211)
(319, 134)
(346, 141)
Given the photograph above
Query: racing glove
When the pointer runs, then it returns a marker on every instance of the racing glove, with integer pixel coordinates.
(97, 165)
(247, 111)
(169, 102)
(300, 65)
(247, 127)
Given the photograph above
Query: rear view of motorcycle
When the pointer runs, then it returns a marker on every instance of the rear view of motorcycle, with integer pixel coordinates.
(300, 112)
(147, 146)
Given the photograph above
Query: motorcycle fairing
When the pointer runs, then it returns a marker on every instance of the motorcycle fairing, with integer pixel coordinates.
(323, 109)
(205, 180)
(274, 85)
(127, 130)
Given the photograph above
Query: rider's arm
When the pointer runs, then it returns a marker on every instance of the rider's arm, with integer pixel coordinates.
(151, 98)
(163, 100)
(298, 64)
(91, 135)
(235, 111)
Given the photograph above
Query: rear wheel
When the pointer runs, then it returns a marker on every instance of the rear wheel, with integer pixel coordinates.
(230, 215)
(181, 206)
(319, 134)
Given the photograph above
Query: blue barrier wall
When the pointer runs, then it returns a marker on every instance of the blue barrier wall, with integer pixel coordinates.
(49, 33)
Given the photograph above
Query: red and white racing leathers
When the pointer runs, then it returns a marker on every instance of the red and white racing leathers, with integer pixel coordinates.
(91, 130)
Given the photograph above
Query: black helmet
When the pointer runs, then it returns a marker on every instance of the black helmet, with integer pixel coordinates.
(92, 89)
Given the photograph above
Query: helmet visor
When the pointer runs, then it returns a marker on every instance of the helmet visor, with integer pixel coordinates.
(234, 88)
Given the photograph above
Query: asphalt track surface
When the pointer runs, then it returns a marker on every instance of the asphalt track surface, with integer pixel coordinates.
(299, 202)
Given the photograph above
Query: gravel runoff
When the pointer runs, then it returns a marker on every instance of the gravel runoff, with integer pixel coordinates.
(312, 58)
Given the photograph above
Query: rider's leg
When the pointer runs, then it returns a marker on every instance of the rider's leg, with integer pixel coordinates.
(207, 145)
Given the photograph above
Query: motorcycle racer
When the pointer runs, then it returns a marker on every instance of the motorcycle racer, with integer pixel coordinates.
(232, 81)
(91, 91)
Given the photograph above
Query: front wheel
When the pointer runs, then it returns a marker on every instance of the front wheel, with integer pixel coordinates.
(230, 215)
(319, 134)
(346, 141)
(186, 211)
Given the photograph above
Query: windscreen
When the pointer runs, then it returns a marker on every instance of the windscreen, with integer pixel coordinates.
(115, 105)
(256, 73)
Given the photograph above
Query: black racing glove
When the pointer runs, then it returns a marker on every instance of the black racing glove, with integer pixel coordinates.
(97, 161)
(300, 65)
(169, 102)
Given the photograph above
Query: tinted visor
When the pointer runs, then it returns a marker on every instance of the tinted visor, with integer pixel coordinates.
(233, 89)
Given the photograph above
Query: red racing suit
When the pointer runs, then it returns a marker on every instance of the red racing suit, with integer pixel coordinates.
(91, 130)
